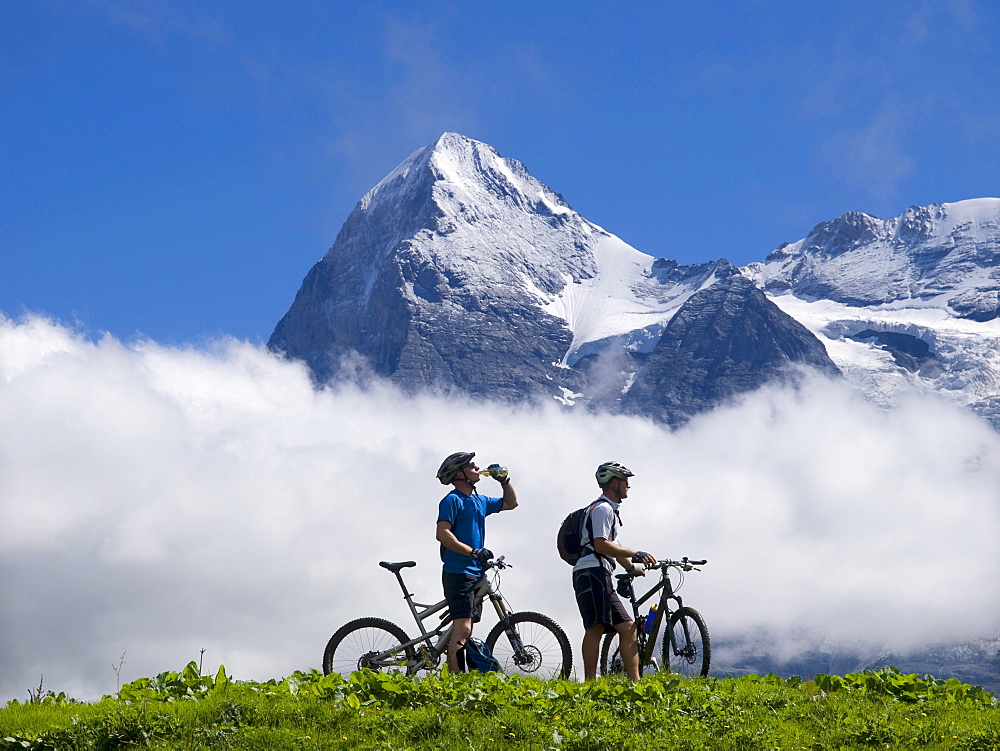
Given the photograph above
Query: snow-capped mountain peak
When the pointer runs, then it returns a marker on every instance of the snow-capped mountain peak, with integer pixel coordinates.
(602, 288)
(460, 268)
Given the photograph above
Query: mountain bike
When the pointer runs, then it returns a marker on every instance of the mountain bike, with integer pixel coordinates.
(525, 642)
(687, 649)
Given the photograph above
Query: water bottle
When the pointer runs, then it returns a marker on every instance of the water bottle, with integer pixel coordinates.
(495, 471)
(648, 625)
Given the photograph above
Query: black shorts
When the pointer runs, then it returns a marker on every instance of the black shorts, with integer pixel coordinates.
(596, 597)
(460, 592)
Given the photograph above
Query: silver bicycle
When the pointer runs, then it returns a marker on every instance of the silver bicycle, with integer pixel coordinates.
(526, 643)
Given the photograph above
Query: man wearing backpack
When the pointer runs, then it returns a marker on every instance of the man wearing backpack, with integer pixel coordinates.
(599, 605)
(461, 530)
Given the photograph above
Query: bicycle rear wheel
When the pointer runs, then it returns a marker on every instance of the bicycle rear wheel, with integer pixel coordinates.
(611, 658)
(687, 649)
(363, 644)
(532, 644)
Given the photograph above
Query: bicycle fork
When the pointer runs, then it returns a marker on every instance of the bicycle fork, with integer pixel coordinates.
(521, 656)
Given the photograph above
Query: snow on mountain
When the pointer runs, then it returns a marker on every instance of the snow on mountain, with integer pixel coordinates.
(942, 256)
(904, 305)
(625, 300)
(602, 288)
(460, 269)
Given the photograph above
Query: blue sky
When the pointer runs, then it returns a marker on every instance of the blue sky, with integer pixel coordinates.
(172, 168)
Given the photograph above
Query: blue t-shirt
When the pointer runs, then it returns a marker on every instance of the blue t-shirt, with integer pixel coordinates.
(467, 516)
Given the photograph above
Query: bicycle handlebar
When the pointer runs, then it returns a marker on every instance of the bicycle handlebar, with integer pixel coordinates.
(684, 564)
(497, 563)
(685, 561)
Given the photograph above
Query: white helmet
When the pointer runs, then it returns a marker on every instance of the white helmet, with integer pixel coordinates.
(610, 470)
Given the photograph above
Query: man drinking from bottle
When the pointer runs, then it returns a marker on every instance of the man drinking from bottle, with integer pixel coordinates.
(461, 530)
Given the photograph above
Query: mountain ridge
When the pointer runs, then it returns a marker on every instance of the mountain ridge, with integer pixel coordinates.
(942, 255)
(876, 291)
(460, 269)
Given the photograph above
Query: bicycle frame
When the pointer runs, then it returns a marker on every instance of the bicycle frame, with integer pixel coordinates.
(647, 641)
(524, 642)
(422, 611)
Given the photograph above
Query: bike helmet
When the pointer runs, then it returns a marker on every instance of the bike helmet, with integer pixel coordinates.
(610, 470)
(451, 466)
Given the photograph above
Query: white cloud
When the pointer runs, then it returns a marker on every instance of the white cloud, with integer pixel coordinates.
(157, 501)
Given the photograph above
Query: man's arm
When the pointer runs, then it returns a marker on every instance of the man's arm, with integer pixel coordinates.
(612, 549)
(446, 537)
(620, 553)
(509, 496)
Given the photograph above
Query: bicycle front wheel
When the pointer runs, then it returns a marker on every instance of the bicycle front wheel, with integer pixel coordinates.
(687, 649)
(531, 644)
(366, 643)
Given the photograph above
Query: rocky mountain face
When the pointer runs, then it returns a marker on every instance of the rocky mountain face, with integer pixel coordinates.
(725, 340)
(908, 304)
(460, 270)
(431, 279)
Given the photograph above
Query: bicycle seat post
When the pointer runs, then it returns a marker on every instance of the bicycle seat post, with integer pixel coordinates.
(396, 568)
(406, 594)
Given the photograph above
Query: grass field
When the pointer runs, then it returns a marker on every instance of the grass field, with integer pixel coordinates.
(882, 709)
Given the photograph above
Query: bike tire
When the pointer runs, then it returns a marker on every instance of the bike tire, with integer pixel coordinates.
(611, 658)
(353, 645)
(687, 648)
(545, 643)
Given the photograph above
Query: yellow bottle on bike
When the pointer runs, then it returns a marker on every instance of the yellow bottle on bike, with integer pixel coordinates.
(648, 625)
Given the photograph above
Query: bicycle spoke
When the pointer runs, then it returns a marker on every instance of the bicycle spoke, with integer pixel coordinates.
(538, 647)
(687, 650)
(361, 644)
(611, 662)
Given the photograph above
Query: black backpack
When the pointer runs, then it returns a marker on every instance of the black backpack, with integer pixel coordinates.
(569, 541)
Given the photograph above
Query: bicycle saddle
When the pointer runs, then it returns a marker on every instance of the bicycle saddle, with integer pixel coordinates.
(395, 567)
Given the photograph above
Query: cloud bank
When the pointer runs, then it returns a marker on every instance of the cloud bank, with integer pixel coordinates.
(158, 501)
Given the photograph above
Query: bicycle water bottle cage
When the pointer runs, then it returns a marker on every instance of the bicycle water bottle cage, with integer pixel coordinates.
(396, 567)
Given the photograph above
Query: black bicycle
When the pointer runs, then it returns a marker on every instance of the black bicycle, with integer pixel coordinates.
(687, 649)
(527, 643)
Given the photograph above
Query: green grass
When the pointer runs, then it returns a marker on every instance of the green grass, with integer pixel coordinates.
(880, 709)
